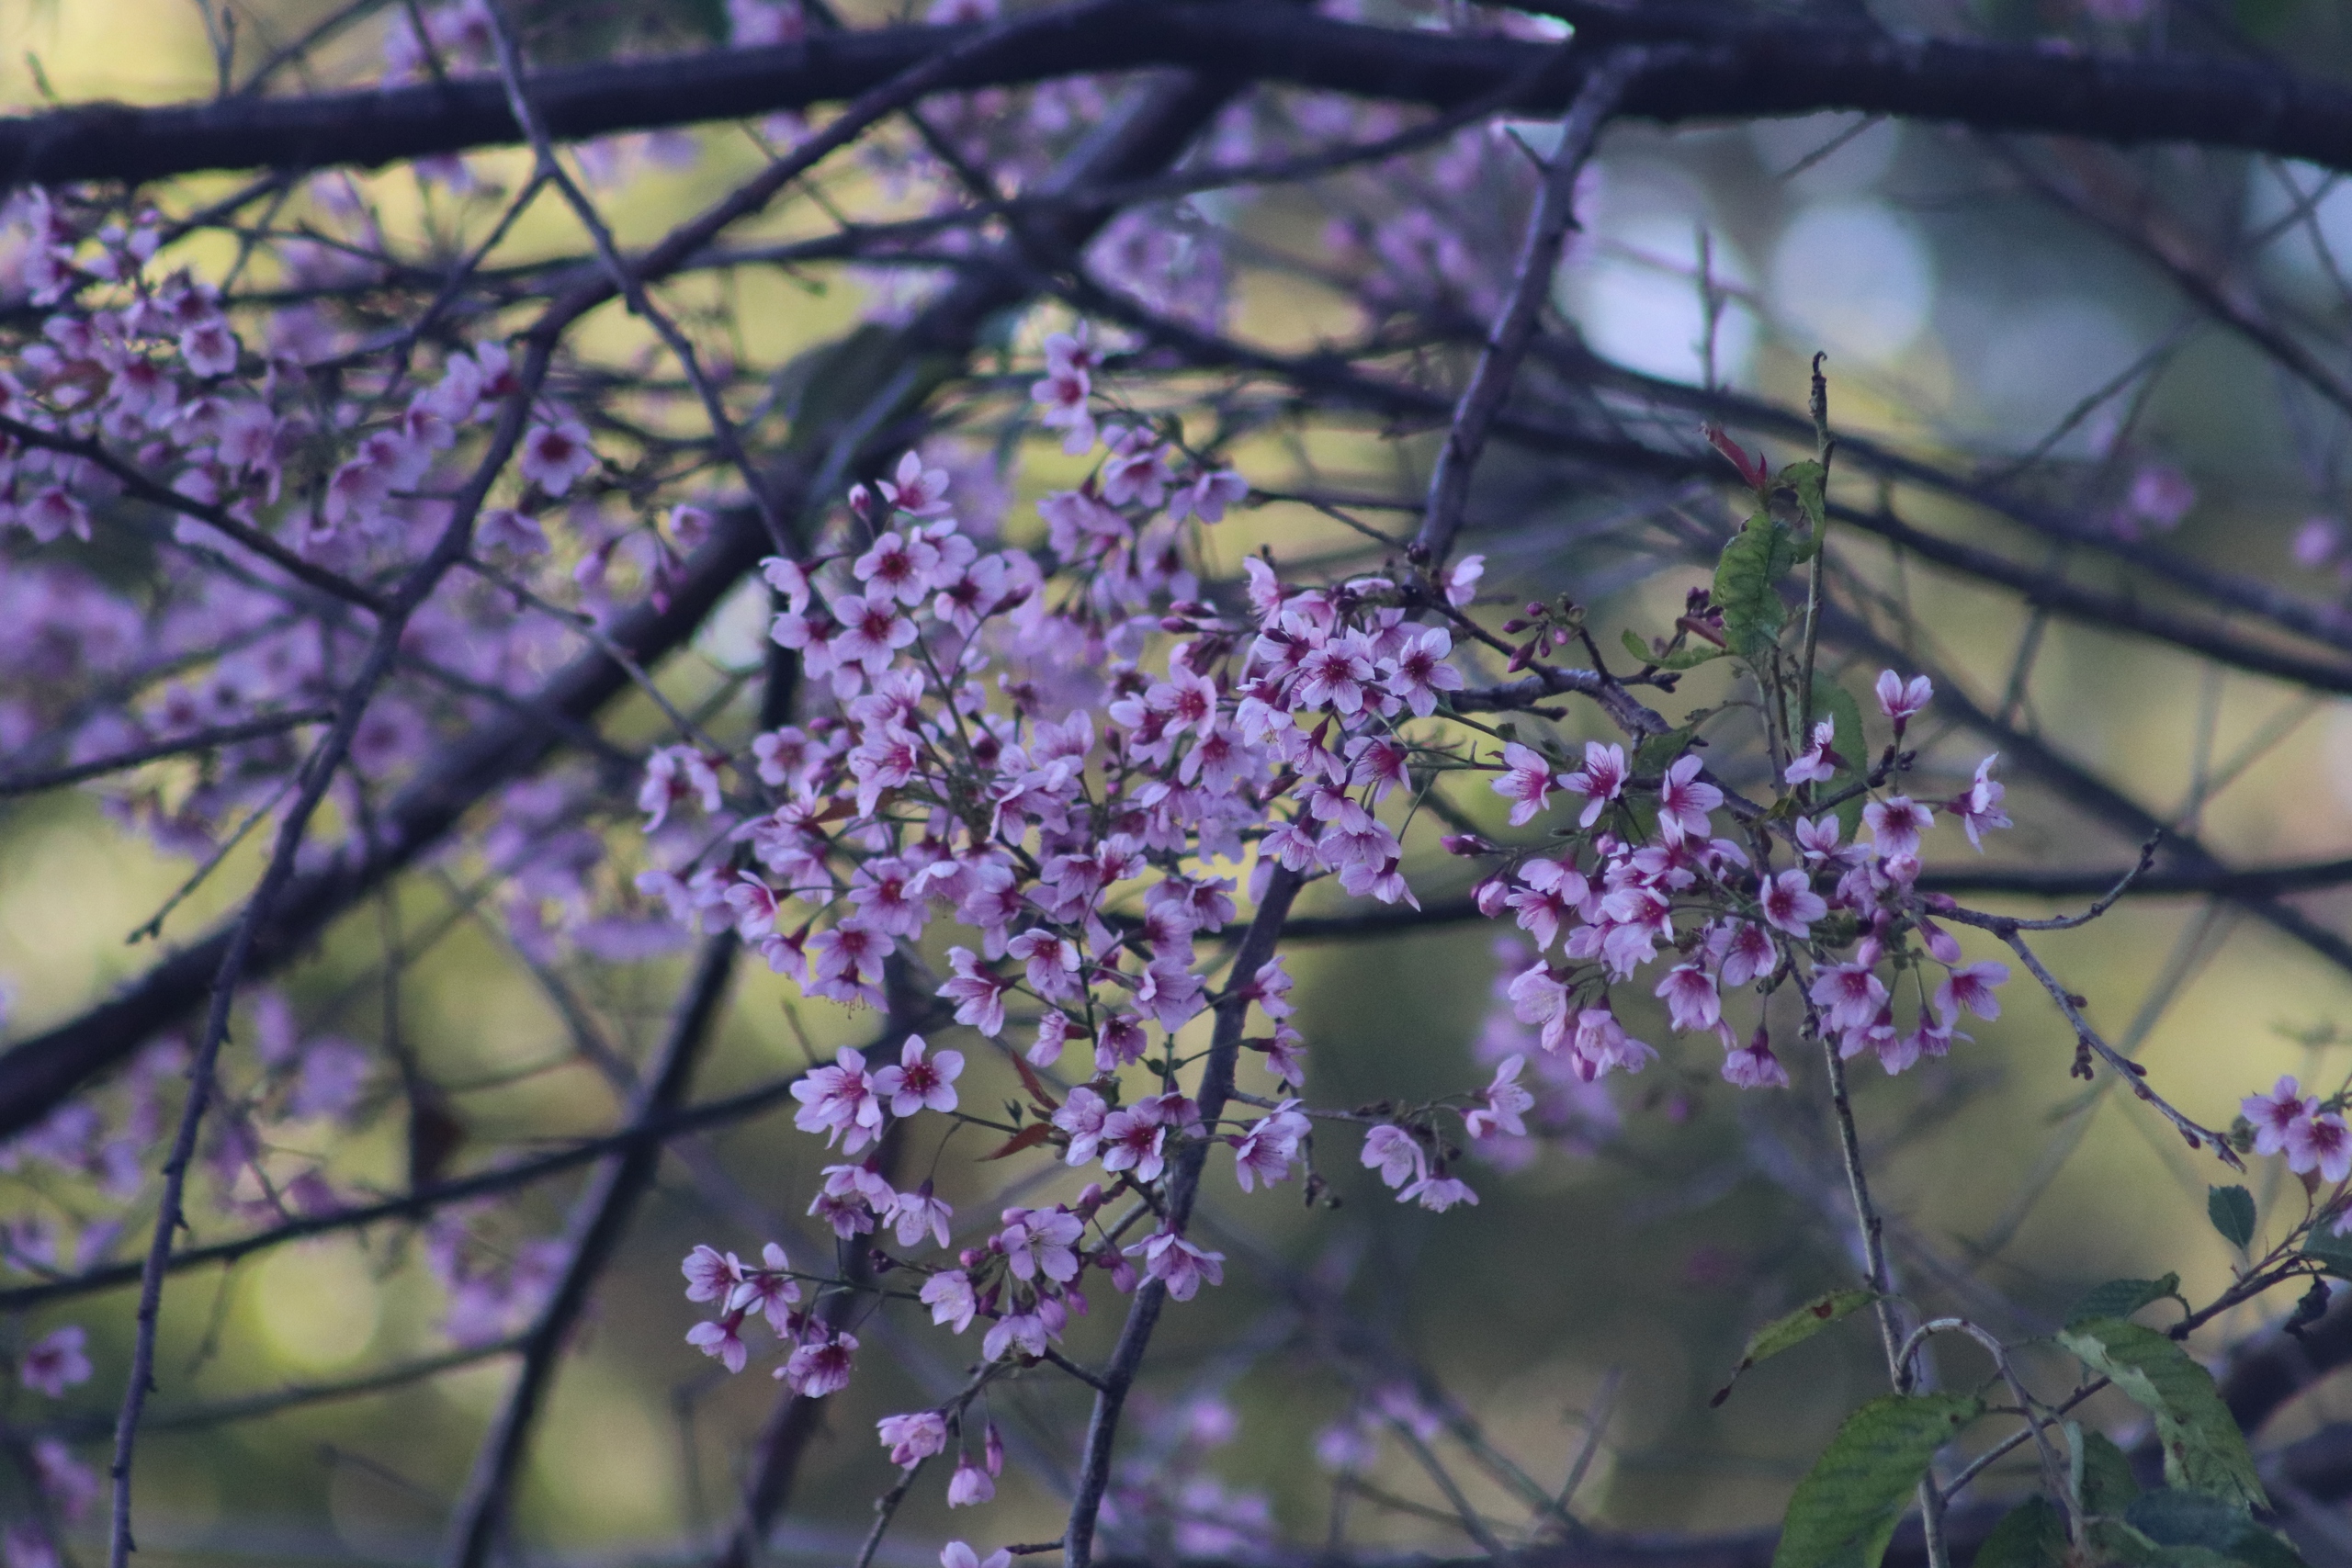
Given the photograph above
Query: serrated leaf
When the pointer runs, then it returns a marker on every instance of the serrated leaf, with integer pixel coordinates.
(1689, 657)
(2232, 1211)
(2121, 1298)
(2031, 1535)
(1660, 751)
(1029, 1137)
(1806, 482)
(1845, 1508)
(2331, 1252)
(1033, 1083)
(2174, 1518)
(1748, 582)
(2114, 1544)
(2204, 1450)
(2108, 1485)
(1794, 1328)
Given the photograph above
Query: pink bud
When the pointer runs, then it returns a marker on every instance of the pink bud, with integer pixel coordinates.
(1490, 896)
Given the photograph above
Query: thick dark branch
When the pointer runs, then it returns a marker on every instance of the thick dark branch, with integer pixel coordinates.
(1787, 69)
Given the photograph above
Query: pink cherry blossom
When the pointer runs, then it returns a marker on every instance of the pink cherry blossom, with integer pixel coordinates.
(916, 1084)
(915, 1437)
(1419, 670)
(1691, 1000)
(1177, 1263)
(2320, 1142)
(1790, 904)
(1819, 761)
(916, 490)
(1895, 824)
(1973, 988)
(1848, 994)
(2273, 1113)
(1902, 701)
(1207, 494)
(1438, 1192)
(54, 1362)
(821, 1366)
(1527, 778)
(556, 457)
(1601, 780)
(1753, 1065)
(1396, 1154)
(1684, 800)
(1503, 1104)
(710, 1275)
(1979, 806)
(977, 993)
(949, 1296)
(1268, 1149)
(969, 1485)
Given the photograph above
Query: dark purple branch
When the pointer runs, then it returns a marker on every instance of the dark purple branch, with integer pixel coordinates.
(1790, 68)
(252, 1406)
(179, 745)
(597, 1222)
(1334, 381)
(1183, 1186)
(423, 1201)
(2085, 790)
(1507, 340)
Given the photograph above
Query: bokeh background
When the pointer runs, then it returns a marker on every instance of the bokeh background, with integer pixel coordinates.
(1608, 1282)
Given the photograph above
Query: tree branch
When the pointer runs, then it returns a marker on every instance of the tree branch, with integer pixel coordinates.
(1183, 1186)
(1790, 68)
(598, 1220)
(1507, 340)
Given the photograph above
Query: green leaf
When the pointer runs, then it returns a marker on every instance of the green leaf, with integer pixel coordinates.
(2232, 1211)
(1748, 583)
(2204, 1450)
(2196, 1519)
(1845, 1509)
(2331, 1252)
(2114, 1544)
(1689, 657)
(1806, 481)
(2108, 1485)
(1660, 751)
(2031, 1535)
(2121, 1298)
(1794, 1328)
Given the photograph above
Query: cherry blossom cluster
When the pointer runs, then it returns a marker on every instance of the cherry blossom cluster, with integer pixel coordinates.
(948, 785)
(2310, 1133)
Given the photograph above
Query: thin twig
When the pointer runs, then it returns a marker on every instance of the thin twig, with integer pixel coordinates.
(1184, 1185)
(590, 1236)
(179, 745)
